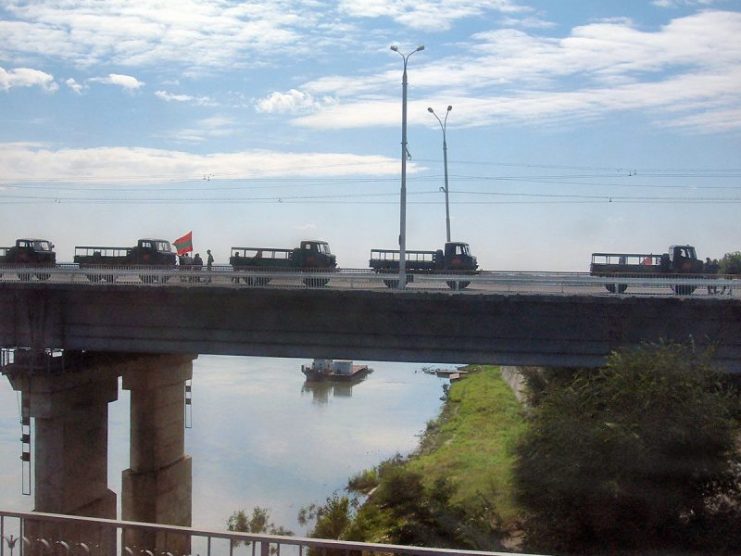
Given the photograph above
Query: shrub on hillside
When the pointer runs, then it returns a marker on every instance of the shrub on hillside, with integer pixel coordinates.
(631, 456)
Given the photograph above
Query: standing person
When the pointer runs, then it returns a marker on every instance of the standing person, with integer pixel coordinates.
(197, 264)
(209, 262)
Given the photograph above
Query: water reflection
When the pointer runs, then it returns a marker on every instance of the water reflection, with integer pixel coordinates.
(322, 390)
(263, 437)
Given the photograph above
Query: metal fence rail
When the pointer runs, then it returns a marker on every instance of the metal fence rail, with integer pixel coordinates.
(24, 533)
(347, 278)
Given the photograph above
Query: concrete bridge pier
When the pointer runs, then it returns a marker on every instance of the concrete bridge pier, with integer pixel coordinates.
(70, 411)
(158, 486)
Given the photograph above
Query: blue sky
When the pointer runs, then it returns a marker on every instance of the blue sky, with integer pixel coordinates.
(576, 126)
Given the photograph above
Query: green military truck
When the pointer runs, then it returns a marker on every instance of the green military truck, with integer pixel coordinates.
(455, 258)
(310, 255)
(35, 253)
(146, 253)
(679, 261)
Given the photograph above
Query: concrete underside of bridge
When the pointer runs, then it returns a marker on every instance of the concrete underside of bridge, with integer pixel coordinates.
(544, 330)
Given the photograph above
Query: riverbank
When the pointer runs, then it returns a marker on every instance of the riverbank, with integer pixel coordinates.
(455, 490)
(471, 442)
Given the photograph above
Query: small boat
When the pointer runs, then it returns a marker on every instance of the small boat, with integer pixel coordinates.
(329, 369)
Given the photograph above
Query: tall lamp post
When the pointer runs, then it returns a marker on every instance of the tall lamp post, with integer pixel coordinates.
(444, 126)
(404, 154)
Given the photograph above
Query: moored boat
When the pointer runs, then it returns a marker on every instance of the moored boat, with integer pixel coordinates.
(329, 369)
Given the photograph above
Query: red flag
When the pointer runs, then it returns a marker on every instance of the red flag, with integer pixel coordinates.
(184, 244)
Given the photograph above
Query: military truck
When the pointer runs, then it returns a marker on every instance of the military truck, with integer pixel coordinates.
(146, 252)
(29, 253)
(310, 255)
(455, 258)
(680, 260)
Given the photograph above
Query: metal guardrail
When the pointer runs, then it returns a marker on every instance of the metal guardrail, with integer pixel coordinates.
(25, 533)
(490, 281)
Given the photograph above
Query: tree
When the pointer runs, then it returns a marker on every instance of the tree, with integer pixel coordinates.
(258, 523)
(731, 263)
(631, 455)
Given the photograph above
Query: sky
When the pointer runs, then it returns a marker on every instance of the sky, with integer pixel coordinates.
(575, 127)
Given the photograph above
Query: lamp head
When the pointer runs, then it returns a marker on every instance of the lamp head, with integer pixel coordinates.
(449, 108)
(395, 48)
(420, 47)
(430, 110)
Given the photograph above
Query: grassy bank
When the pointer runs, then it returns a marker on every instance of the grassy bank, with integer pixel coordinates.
(471, 442)
(454, 491)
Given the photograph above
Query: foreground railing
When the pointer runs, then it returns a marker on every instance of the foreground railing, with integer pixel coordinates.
(490, 281)
(23, 533)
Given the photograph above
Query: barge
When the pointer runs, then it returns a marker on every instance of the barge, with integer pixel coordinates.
(331, 370)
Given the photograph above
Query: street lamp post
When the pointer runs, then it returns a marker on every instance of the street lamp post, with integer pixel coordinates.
(444, 126)
(404, 154)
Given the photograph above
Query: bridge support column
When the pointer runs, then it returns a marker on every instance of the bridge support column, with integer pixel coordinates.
(70, 411)
(158, 486)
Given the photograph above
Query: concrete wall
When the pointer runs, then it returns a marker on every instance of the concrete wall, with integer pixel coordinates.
(545, 330)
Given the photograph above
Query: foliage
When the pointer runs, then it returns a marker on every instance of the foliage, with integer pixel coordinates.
(447, 494)
(364, 482)
(332, 519)
(402, 510)
(257, 523)
(630, 456)
(472, 443)
(731, 263)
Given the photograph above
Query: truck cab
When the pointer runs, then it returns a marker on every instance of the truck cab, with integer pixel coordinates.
(153, 252)
(313, 254)
(458, 257)
(683, 259)
(37, 251)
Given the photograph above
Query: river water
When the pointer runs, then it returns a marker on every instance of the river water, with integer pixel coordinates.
(260, 436)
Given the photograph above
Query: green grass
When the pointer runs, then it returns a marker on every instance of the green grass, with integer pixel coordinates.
(471, 442)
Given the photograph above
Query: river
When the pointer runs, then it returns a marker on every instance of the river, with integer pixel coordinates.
(262, 437)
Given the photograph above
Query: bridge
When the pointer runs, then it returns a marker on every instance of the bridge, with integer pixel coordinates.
(540, 319)
(145, 328)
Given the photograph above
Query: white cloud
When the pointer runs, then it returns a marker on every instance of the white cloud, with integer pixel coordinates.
(23, 162)
(603, 67)
(26, 77)
(74, 85)
(291, 102)
(172, 97)
(428, 15)
(680, 3)
(204, 129)
(196, 34)
(126, 82)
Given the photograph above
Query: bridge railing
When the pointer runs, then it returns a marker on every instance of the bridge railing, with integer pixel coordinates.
(492, 281)
(24, 533)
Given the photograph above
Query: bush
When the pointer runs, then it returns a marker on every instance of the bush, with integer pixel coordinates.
(628, 456)
(731, 263)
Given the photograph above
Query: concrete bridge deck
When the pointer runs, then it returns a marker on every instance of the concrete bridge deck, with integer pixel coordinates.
(425, 326)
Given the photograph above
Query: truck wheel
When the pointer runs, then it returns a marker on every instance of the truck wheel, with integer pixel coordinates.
(457, 285)
(683, 290)
(619, 288)
(395, 283)
(316, 282)
(257, 280)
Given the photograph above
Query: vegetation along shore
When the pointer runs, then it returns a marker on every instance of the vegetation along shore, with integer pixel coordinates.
(641, 456)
